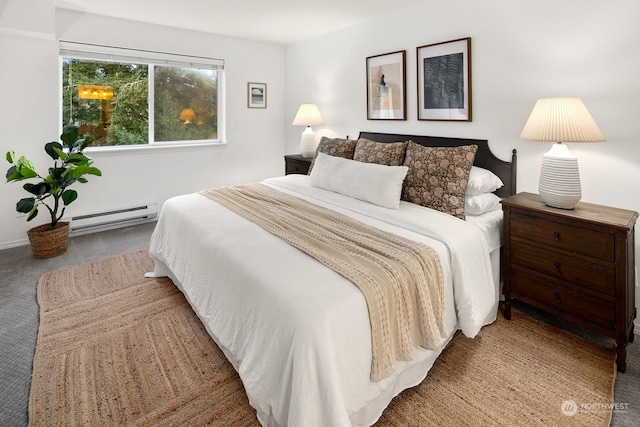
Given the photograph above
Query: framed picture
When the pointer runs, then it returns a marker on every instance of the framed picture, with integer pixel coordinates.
(444, 81)
(386, 88)
(256, 95)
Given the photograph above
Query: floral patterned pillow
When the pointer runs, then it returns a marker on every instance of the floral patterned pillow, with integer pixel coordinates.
(438, 176)
(382, 153)
(337, 147)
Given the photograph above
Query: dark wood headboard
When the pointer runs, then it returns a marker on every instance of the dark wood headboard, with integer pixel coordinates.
(484, 157)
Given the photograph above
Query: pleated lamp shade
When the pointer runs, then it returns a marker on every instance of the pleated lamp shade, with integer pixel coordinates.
(560, 120)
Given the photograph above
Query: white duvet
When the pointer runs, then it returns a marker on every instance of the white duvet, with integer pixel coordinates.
(298, 333)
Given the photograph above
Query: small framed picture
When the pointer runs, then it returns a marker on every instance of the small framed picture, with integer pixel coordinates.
(444, 81)
(256, 95)
(386, 88)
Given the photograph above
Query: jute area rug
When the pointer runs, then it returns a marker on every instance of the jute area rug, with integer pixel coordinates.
(115, 348)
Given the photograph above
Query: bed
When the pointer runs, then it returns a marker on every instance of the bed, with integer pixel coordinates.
(298, 333)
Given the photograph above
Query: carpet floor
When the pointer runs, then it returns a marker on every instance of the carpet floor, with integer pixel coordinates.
(115, 348)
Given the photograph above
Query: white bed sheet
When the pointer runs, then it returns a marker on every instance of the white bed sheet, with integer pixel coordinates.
(490, 223)
(298, 333)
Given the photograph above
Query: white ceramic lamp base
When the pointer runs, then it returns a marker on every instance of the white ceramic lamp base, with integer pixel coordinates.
(308, 143)
(559, 178)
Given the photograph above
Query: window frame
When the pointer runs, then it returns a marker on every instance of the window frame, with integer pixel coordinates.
(94, 52)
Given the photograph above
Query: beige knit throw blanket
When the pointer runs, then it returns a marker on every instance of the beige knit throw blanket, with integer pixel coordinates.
(400, 279)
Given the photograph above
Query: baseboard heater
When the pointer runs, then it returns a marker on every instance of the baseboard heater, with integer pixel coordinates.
(114, 218)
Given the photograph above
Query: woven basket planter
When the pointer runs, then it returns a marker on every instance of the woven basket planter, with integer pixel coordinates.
(46, 243)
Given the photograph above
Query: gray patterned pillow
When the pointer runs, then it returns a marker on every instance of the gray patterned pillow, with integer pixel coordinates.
(438, 176)
(382, 153)
(337, 147)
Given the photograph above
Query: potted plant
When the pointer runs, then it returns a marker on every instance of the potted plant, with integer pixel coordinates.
(51, 190)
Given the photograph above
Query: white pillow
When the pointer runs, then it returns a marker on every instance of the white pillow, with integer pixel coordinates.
(370, 182)
(482, 181)
(481, 203)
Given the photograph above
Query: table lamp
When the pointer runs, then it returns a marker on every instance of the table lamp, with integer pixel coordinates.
(308, 115)
(560, 120)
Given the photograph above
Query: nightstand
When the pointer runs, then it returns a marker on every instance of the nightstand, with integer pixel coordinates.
(577, 264)
(296, 163)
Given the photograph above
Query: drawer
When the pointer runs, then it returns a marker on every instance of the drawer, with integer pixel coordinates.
(295, 166)
(565, 267)
(553, 296)
(563, 236)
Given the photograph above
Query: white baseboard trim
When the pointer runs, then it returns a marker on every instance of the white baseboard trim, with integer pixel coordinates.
(97, 229)
(14, 244)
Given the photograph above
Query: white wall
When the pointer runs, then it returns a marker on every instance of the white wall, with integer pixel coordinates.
(521, 51)
(29, 113)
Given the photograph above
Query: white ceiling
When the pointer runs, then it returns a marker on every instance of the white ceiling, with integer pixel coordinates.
(274, 21)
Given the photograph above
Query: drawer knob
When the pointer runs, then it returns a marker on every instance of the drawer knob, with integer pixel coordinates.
(556, 236)
(556, 265)
(556, 296)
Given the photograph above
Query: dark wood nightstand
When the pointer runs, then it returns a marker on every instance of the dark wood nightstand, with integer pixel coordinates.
(577, 264)
(296, 163)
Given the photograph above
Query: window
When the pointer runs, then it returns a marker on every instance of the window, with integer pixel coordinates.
(130, 97)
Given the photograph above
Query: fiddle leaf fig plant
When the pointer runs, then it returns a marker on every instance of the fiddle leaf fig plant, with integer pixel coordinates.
(51, 190)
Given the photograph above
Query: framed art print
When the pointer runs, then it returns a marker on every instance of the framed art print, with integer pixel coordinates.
(386, 88)
(256, 95)
(444, 81)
